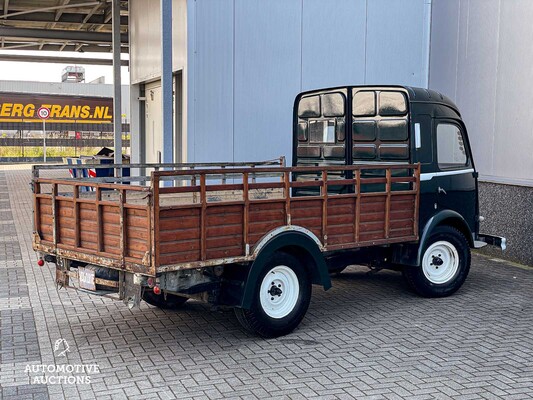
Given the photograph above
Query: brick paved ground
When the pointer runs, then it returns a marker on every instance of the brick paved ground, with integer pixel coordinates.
(368, 337)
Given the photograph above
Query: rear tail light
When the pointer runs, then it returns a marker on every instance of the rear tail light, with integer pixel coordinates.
(40, 262)
(157, 290)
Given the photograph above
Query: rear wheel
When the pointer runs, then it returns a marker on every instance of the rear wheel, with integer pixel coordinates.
(164, 301)
(445, 264)
(281, 298)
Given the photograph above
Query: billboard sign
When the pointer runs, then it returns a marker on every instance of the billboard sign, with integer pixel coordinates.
(23, 107)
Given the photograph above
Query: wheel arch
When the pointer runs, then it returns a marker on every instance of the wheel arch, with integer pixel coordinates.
(297, 242)
(444, 218)
(411, 254)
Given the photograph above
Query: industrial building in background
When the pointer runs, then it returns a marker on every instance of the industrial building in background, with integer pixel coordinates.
(237, 65)
(79, 111)
(215, 80)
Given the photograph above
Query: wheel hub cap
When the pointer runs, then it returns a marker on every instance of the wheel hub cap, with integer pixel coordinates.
(279, 292)
(440, 262)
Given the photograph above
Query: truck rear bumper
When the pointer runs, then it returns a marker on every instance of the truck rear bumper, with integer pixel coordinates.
(485, 239)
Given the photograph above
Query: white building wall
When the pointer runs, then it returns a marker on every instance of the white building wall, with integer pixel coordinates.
(145, 57)
(248, 59)
(481, 57)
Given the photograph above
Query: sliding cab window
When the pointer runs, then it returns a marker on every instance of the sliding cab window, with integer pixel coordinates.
(451, 147)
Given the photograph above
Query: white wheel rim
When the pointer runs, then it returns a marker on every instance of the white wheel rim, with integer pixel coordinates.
(440, 262)
(279, 292)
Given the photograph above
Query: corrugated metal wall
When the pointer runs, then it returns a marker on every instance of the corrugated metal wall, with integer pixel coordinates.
(481, 57)
(249, 58)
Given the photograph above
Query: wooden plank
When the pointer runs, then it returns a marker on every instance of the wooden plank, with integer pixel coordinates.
(176, 258)
(184, 223)
(179, 234)
(357, 205)
(225, 230)
(137, 222)
(402, 214)
(335, 230)
(54, 214)
(203, 222)
(76, 212)
(341, 238)
(224, 221)
(224, 252)
(372, 217)
(265, 216)
(245, 225)
(136, 212)
(372, 226)
(401, 224)
(340, 219)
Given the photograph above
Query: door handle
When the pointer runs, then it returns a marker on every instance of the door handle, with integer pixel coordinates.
(441, 190)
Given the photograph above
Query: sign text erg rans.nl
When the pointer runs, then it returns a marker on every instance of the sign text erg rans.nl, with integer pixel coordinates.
(17, 107)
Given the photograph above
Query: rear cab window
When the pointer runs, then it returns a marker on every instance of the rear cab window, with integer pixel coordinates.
(452, 153)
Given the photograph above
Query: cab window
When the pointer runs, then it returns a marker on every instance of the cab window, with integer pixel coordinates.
(451, 150)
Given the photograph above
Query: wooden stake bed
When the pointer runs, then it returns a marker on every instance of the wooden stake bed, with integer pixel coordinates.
(204, 217)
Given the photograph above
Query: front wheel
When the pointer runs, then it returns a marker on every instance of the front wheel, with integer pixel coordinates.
(281, 298)
(445, 264)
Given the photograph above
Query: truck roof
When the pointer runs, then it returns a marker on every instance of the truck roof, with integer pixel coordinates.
(416, 94)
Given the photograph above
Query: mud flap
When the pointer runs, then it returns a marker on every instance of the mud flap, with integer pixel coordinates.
(129, 291)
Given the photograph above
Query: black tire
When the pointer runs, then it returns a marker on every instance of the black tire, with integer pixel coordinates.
(444, 246)
(281, 315)
(172, 301)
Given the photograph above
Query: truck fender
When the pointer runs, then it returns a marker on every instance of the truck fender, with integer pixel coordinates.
(411, 254)
(444, 217)
(296, 241)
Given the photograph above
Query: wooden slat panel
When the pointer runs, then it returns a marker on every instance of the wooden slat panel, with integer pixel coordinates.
(65, 232)
(179, 246)
(175, 258)
(224, 230)
(341, 238)
(225, 252)
(402, 214)
(401, 232)
(372, 217)
(341, 230)
(340, 219)
(46, 219)
(402, 223)
(173, 235)
(168, 225)
(138, 233)
(372, 236)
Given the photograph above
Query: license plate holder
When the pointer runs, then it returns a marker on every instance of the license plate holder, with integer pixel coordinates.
(86, 278)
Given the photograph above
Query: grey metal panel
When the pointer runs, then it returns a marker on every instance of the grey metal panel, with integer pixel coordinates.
(267, 76)
(145, 48)
(444, 46)
(396, 50)
(513, 139)
(481, 58)
(476, 72)
(333, 43)
(213, 88)
(145, 37)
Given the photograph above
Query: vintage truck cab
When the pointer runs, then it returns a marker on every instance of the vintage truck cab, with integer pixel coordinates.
(403, 125)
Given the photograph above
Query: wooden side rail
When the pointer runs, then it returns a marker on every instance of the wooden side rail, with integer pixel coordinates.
(226, 220)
